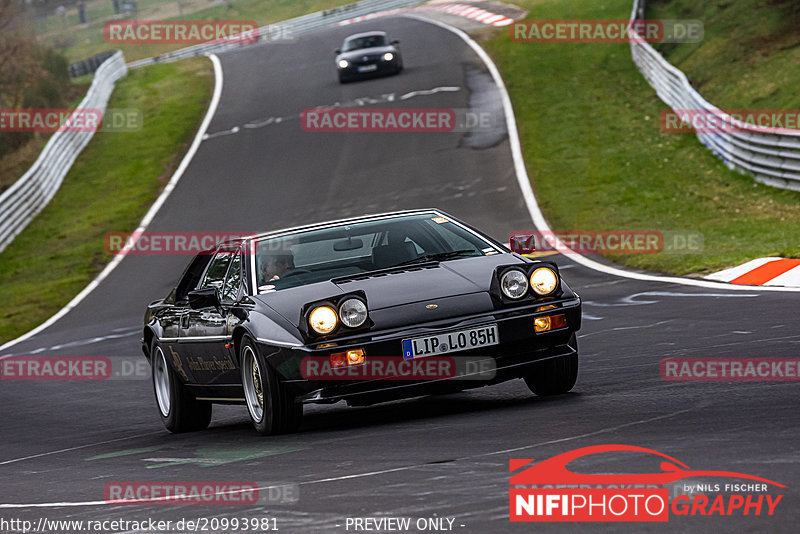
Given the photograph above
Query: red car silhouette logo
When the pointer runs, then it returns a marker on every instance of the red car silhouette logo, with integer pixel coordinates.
(554, 470)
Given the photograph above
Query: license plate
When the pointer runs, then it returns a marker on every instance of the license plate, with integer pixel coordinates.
(472, 338)
(367, 68)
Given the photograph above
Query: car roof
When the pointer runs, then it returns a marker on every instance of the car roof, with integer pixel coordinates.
(365, 34)
(335, 222)
(338, 222)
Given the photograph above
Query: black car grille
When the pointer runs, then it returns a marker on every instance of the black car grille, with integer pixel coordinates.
(366, 60)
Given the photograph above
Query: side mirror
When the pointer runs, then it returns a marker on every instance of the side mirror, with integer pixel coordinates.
(338, 51)
(204, 298)
(395, 42)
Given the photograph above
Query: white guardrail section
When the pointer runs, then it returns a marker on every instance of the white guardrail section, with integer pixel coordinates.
(23, 201)
(282, 31)
(771, 155)
(30, 194)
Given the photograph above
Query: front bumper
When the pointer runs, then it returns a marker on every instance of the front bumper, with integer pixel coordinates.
(381, 67)
(515, 356)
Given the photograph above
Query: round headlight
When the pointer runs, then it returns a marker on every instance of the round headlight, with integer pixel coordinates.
(514, 284)
(353, 312)
(323, 319)
(388, 56)
(544, 280)
(343, 63)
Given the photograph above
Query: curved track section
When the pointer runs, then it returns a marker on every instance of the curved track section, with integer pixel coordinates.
(443, 456)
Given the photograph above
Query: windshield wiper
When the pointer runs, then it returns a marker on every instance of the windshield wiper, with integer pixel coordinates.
(441, 256)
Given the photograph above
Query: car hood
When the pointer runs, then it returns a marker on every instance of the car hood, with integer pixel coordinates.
(374, 51)
(412, 285)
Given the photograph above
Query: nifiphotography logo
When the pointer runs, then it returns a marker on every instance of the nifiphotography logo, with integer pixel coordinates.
(549, 491)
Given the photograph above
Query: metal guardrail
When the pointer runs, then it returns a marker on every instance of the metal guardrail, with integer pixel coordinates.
(282, 30)
(30, 194)
(21, 202)
(771, 155)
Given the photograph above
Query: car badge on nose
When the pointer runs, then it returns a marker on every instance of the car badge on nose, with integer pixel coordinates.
(431, 306)
(365, 58)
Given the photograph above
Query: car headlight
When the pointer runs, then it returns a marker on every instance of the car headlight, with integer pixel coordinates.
(323, 319)
(388, 56)
(343, 63)
(544, 280)
(353, 312)
(514, 284)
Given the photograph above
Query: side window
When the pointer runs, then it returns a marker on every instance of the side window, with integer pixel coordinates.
(230, 291)
(455, 237)
(215, 275)
(191, 277)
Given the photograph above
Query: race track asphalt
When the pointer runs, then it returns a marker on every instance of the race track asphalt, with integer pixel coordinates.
(444, 456)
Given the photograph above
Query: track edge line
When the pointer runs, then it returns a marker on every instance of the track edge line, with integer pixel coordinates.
(146, 220)
(539, 220)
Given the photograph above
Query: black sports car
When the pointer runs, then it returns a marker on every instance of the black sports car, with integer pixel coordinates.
(333, 311)
(368, 54)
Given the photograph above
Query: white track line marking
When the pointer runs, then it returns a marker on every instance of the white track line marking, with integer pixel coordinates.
(373, 473)
(539, 220)
(425, 92)
(6, 462)
(632, 300)
(355, 102)
(148, 218)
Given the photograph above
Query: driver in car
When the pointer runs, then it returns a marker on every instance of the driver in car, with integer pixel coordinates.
(274, 265)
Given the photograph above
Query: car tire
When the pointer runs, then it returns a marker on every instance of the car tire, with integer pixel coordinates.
(271, 405)
(556, 375)
(342, 79)
(179, 410)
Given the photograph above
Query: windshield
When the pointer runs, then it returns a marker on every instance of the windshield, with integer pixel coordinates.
(345, 250)
(369, 41)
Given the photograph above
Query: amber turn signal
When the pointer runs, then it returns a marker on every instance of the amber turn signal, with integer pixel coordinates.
(351, 357)
(549, 322)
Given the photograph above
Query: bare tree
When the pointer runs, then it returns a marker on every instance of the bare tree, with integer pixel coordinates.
(19, 61)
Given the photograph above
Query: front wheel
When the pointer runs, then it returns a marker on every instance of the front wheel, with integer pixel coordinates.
(554, 376)
(179, 410)
(272, 407)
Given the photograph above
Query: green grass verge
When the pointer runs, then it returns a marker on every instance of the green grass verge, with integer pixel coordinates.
(749, 56)
(89, 41)
(109, 188)
(589, 127)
